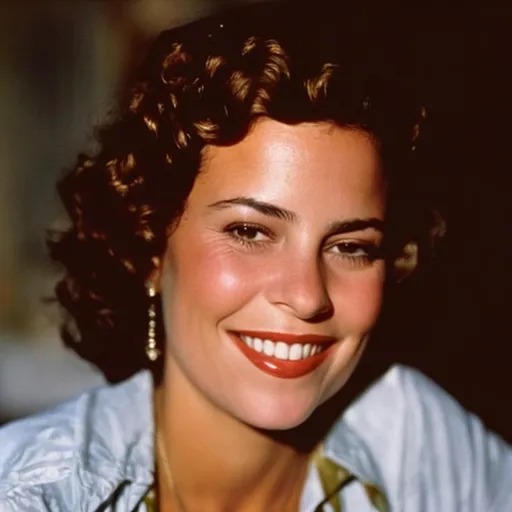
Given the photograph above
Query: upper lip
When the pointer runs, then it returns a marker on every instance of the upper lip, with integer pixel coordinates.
(313, 339)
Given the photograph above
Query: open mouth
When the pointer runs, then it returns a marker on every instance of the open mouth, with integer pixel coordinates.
(284, 355)
(282, 350)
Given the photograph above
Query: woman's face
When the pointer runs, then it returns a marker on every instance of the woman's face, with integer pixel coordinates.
(276, 257)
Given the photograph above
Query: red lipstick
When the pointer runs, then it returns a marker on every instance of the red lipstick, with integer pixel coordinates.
(281, 368)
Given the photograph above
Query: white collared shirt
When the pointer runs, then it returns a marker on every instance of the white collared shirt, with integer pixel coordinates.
(405, 436)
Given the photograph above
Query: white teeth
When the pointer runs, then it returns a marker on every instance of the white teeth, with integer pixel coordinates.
(268, 348)
(281, 350)
(295, 352)
(257, 344)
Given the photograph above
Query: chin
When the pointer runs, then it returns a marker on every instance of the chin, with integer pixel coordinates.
(288, 412)
(276, 414)
(277, 424)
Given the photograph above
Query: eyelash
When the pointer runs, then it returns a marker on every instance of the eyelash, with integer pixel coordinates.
(370, 251)
(252, 244)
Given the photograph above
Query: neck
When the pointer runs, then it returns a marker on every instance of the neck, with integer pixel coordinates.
(219, 463)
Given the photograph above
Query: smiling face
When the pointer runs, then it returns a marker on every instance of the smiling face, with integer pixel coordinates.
(280, 241)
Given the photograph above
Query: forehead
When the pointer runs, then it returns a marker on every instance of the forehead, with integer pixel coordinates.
(279, 161)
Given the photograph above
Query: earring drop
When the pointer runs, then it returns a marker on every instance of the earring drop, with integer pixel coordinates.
(152, 351)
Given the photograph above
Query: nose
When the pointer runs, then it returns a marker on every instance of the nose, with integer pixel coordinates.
(299, 286)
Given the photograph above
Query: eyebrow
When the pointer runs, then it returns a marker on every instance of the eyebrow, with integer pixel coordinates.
(271, 210)
(353, 225)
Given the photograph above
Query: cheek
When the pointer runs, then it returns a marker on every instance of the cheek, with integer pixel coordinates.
(219, 277)
(358, 299)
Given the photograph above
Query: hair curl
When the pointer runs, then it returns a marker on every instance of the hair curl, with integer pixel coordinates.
(207, 83)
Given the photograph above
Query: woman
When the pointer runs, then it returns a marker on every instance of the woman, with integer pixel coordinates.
(229, 249)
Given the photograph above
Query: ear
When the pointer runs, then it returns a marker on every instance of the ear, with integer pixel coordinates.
(405, 264)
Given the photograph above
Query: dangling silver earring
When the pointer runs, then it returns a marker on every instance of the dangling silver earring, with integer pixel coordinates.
(152, 351)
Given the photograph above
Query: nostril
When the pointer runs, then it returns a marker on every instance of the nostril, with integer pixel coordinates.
(299, 287)
(322, 315)
(313, 312)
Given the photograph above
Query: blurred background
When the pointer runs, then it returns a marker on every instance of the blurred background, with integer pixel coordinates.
(62, 64)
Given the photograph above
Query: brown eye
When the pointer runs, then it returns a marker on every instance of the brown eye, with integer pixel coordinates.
(351, 249)
(356, 251)
(247, 232)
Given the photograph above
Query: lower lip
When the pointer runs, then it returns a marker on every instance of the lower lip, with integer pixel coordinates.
(278, 367)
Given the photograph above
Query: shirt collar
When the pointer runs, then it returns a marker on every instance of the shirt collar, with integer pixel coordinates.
(115, 434)
(346, 448)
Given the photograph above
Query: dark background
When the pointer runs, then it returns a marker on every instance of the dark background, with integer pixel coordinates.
(453, 320)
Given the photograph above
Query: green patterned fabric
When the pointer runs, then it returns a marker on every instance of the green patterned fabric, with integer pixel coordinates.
(332, 478)
(376, 497)
(150, 500)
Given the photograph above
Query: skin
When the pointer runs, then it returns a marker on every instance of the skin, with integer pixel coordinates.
(215, 409)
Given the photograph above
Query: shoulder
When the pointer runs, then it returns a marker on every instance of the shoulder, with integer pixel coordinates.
(405, 399)
(43, 455)
(425, 442)
(404, 396)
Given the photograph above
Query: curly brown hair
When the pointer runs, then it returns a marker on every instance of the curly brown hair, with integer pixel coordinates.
(206, 83)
